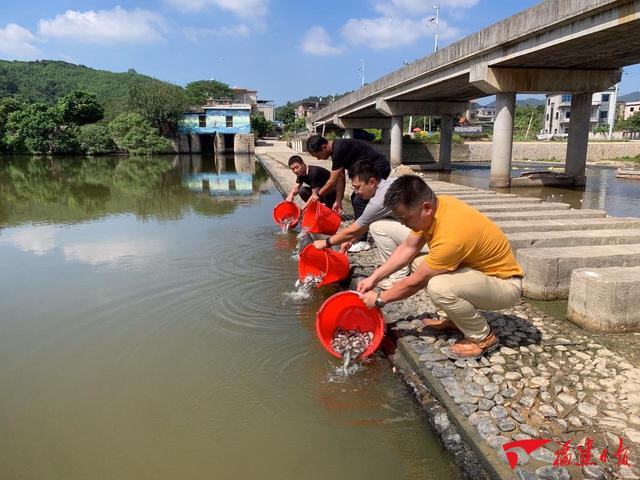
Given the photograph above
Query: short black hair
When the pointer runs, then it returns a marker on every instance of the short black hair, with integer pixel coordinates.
(315, 143)
(296, 159)
(409, 191)
(364, 170)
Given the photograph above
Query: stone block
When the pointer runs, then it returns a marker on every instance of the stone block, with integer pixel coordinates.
(570, 238)
(607, 223)
(548, 270)
(497, 201)
(535, 214)
(605, 299)
(516, 207)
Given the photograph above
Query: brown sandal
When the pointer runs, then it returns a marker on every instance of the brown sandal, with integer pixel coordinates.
(468, 348)
(439, 324)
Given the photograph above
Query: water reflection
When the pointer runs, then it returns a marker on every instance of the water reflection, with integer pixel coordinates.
(603, 191)
(74, 189)
(228, 176)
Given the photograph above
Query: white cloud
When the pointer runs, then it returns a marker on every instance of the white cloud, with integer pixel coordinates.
(17, 42)
(105, 26)
(318, 42)
(195, 34)
(411, 6)
(37, 240)
(114, 253)
(390, 32)
(242, 8)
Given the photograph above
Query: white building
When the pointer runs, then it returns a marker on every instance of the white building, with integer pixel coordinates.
(630, 108)
(557, 117)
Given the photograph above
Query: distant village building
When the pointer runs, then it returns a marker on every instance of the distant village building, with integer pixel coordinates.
(630, 109)
(485, 115)
(267, 108)
(306, 109)
(217, 127)
(243, 95)
(223, 124)
(557, 119)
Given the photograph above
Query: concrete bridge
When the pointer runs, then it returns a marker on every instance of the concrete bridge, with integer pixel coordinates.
(573, 46)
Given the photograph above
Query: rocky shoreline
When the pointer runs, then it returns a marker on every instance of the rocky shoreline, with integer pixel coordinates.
(550, 380)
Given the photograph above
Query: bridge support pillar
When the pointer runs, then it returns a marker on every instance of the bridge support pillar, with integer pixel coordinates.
(446, 140)
(502, 140)
(578, 140)
(395, 150)
(348, 133)
(386, 136)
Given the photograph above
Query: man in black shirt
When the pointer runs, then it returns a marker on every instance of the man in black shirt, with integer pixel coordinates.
(313, 176)
(345, 153)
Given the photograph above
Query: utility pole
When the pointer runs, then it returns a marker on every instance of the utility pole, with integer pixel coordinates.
(612, 118)
(361, 73)
(437, 21)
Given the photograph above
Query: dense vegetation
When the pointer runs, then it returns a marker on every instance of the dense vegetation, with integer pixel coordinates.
(631, 124)
(52, 107)
(45, 81)
(69, 126)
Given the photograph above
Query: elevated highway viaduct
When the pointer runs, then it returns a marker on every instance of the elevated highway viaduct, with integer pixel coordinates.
(568, 46)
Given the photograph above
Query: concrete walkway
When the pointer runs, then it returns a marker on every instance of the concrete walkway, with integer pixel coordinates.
(550, 379)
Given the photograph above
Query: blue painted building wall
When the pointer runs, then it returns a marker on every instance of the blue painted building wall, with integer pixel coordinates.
(216, 121)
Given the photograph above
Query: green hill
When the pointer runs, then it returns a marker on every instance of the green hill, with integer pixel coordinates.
(47, 80)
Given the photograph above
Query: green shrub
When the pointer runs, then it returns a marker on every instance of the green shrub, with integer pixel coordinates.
(133, 134)
(95, 139)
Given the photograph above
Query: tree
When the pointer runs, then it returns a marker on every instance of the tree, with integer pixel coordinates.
(298, 125)
(260, 126)
(95, 139)
(199, 91)
(631, 124)
(7, 87)
(160, 104)
(7, 106)
(133, 134)
(286, 113)
(32, 128)
(528, 115)
(80, 108)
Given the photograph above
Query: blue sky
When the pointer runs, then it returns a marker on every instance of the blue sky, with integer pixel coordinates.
(285, 49)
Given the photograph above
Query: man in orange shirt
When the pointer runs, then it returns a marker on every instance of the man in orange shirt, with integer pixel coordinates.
(470, 264)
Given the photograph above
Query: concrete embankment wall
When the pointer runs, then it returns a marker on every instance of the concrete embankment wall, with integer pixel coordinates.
(481, 151)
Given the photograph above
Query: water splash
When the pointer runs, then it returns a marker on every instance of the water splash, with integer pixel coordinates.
(304, 239)
(303, 289)
(285, 224)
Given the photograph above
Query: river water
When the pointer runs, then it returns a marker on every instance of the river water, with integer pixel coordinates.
(603, 191)
(145, 333)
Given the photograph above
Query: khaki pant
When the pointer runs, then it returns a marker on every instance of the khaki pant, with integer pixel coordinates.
(387, 235)
(462, 292)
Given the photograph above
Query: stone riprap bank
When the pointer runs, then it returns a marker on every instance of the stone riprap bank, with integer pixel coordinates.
(550, 379)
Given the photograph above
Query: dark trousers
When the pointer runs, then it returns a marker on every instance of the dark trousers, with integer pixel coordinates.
(359, 204)
(328, 199)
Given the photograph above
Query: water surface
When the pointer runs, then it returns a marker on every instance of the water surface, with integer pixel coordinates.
(619, 197)
(145, 333)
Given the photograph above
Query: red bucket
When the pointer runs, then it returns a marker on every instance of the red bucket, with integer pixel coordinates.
(333, 265)
(285, 210)
(347, 310)
(318, 218)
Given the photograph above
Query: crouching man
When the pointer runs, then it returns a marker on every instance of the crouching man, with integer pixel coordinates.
(309, 180)
(470, 264)
(387, 233)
